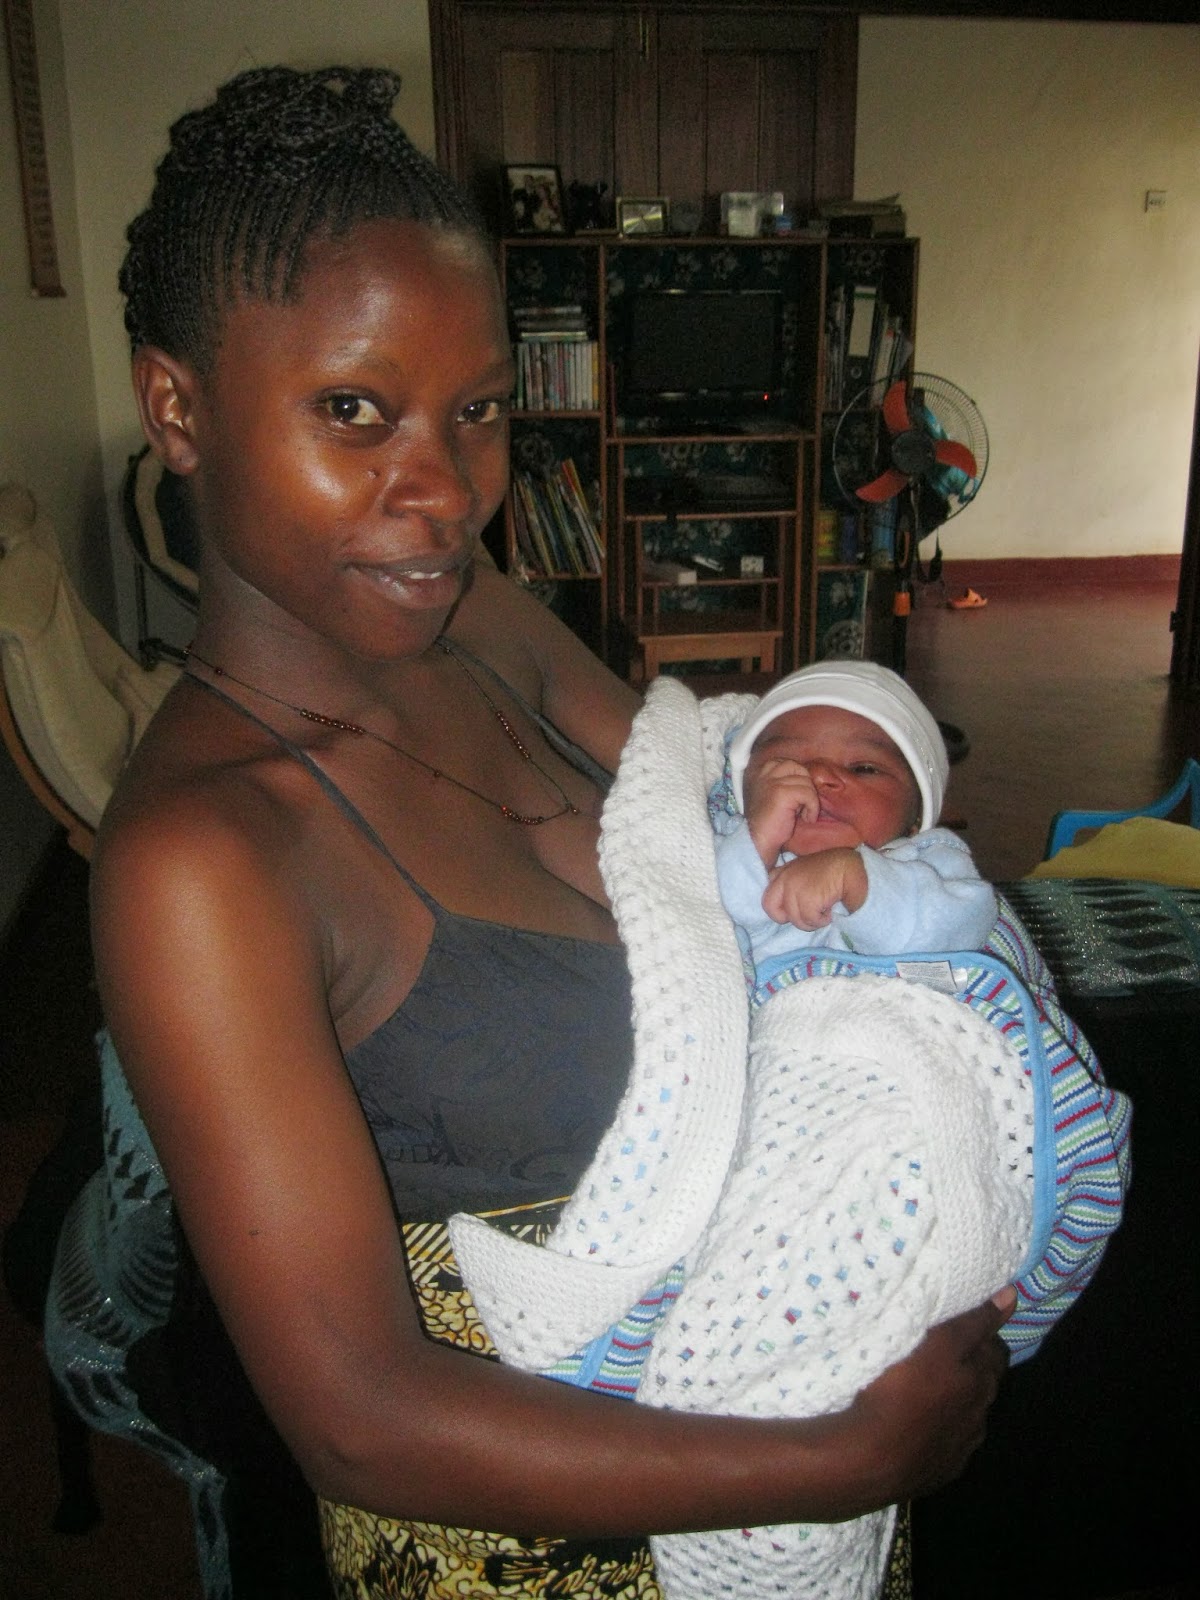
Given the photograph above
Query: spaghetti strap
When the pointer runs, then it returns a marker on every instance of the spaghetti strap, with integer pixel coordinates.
(571, 752)
(343, 801)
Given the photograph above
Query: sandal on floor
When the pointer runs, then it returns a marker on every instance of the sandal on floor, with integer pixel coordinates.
(970, 601)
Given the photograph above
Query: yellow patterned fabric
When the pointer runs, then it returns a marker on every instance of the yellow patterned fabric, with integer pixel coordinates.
(372, 1557)
(376, 1558)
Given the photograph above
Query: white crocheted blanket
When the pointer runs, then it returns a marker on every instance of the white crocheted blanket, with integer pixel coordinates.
(839, 1170)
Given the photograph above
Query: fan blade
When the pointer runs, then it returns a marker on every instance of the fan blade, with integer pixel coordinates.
(895, 408)
(887, 485)
(952, 454)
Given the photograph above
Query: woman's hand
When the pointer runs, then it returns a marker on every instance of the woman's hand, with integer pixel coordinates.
(925, 1415)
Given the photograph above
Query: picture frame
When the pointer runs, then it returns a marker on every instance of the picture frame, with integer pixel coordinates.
(750, 213)
(534, 197)
(641, 216)
(45, 280)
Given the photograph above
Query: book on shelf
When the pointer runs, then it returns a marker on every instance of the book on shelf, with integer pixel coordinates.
(553, 375)
(571, 309)
(556, 523)
(866, 342)
(827, 534)
(586, 511)
(884, 355)
(550, 321)
(860, 338)
(527, 523)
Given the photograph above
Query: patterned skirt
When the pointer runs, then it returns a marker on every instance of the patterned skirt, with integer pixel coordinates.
(373, 1557)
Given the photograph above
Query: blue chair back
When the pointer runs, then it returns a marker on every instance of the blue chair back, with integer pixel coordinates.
(1066, 824)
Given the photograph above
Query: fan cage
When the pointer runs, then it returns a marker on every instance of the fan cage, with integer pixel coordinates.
(861, 449)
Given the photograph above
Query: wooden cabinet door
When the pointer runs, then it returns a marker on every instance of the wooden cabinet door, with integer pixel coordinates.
(756, 100)
(574, 86)
(658, 100)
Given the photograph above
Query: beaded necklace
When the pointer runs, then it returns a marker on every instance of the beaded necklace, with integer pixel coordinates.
(340, 725)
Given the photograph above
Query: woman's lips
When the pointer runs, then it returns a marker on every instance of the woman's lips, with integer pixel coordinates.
(429, 578)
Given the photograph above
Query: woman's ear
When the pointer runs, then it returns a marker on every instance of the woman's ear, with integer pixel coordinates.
(166, 391)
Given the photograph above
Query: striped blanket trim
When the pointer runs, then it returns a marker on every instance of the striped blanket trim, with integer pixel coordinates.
(1082, 1163)
(613, 1363)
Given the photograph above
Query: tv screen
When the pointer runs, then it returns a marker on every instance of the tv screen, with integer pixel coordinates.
(708, 353)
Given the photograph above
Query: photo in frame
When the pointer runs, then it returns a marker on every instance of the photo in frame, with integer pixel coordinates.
(635, 217)
(533, 191)
(747, 214)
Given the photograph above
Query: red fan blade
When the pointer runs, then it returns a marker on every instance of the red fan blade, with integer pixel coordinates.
(895, 408)
(952, 454)
(884, 487)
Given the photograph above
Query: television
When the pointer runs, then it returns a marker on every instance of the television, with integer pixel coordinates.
(705, 355)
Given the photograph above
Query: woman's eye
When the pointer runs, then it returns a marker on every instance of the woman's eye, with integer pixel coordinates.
(355, 410)
(484, 411)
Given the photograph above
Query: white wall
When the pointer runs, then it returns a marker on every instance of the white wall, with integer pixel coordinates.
(131, 70)
(48, 431)
(1022, 152)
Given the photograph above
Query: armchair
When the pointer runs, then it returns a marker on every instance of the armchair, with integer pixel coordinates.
(72, 703)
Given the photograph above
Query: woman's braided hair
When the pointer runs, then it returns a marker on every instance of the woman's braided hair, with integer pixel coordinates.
(279, 158)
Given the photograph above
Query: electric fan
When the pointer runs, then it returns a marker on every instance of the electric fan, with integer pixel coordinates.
(917, 450)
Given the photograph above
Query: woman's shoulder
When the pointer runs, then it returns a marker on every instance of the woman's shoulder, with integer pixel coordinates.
(503, 625)
(543, 660)
(202, 801)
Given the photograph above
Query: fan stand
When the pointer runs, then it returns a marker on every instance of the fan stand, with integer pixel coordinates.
(931, 577)
(908, 536)
(903, 556)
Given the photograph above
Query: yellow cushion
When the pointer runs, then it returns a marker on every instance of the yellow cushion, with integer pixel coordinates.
(1144, 848)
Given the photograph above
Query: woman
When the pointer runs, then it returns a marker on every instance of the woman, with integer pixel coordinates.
(351, 939)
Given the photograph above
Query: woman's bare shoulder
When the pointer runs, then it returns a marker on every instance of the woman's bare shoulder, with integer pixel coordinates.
(538, 654)
(200, 807)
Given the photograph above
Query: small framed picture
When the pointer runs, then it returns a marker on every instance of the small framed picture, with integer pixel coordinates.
(641, 216)
(535, 198)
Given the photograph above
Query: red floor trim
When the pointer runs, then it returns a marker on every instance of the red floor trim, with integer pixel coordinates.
(1061, 571)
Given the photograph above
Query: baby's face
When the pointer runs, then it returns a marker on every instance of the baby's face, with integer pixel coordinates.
(866, 790)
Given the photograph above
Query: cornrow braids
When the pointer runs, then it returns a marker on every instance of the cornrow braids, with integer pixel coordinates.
(279, 158)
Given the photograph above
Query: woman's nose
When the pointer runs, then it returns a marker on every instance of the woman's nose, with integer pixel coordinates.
(429, 475)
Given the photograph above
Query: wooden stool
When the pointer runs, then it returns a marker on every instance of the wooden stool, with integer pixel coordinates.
(746, 645)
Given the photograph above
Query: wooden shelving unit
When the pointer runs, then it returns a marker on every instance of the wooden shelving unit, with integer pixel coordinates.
(650, 478)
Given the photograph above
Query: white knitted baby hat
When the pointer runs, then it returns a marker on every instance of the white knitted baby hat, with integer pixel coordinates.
(872, 691)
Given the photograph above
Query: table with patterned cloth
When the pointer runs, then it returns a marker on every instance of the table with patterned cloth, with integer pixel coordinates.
(1128, 945)
(1086, 1437)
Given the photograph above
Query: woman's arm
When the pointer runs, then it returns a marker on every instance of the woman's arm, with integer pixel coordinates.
(214, 972)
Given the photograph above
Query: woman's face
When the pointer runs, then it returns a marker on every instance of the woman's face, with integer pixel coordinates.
(351, 445)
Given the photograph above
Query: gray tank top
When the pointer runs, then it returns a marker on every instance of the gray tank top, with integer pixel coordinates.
(492, 1082)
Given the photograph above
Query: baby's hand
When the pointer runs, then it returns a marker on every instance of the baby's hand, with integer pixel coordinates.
(805, 891)
(778, 793)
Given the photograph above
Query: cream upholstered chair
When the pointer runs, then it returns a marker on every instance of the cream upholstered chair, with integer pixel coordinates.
(156, 506)
(72, 703)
